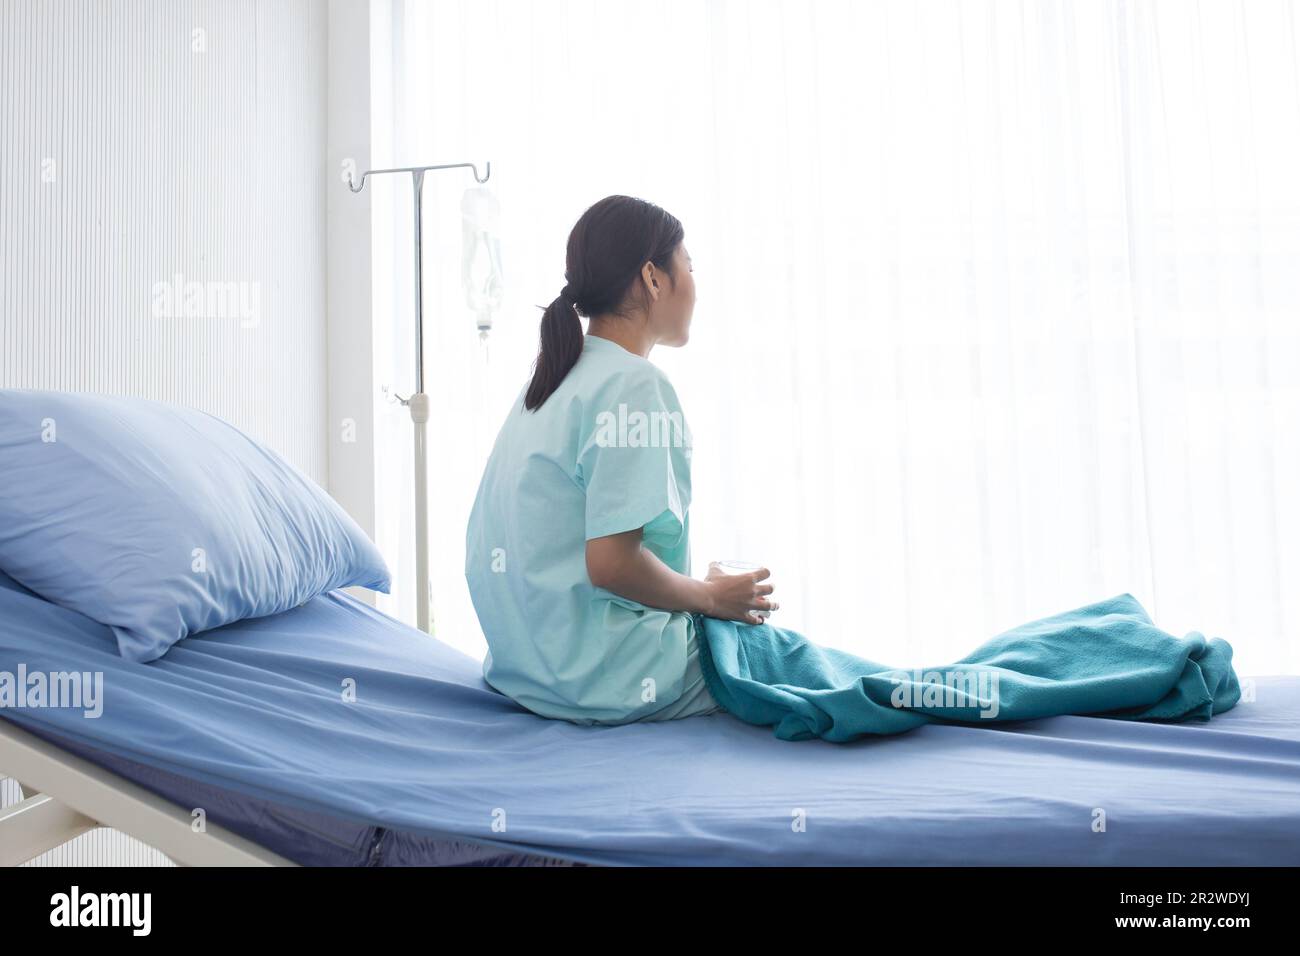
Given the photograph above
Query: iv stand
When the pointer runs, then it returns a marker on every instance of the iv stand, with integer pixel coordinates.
(418, 402)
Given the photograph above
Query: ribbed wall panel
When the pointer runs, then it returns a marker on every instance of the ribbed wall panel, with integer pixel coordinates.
(130, 157)
(165, 160)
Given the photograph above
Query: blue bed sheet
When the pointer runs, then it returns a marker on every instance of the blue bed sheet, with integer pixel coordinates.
(306, 837)
(428, 749)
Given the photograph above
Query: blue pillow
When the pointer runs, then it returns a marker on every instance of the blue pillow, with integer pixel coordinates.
(162, 521)
(9, 584)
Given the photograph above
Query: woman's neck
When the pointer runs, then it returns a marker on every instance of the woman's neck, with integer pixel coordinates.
(632, 336)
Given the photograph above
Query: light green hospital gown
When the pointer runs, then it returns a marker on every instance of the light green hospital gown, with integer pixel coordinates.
(608, 451)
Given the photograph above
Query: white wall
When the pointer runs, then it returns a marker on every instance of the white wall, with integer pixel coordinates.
(142, 139)
(351, 366)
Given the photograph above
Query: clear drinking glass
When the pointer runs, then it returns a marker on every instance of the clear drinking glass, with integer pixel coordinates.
(743, 567)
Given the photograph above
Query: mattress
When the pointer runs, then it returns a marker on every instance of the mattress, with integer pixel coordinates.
(334, 715)
(305, 837)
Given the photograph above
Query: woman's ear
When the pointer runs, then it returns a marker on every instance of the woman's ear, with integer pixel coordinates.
(650, 276)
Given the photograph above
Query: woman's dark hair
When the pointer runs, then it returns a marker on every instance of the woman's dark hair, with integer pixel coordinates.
(608, 247)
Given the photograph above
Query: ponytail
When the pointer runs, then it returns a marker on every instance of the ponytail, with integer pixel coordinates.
(560, 345)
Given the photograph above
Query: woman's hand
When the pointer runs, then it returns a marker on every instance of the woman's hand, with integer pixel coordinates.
(619, 564)
(735, 597)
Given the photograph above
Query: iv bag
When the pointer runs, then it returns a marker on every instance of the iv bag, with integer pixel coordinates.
(481, 271)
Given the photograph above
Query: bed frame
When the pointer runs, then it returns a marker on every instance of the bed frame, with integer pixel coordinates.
(65, 796)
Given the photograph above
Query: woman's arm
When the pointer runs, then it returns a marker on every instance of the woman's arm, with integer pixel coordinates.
(619, 564)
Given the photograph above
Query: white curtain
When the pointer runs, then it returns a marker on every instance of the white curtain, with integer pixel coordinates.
(998, 310)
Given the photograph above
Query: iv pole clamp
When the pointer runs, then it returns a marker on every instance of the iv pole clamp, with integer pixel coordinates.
(418, 403)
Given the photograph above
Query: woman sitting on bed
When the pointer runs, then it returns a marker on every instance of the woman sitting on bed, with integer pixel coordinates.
(577, 551)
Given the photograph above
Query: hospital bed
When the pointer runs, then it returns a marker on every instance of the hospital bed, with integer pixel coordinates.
(332, 734)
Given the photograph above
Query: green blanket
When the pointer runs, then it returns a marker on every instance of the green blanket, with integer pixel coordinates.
(1105, 660)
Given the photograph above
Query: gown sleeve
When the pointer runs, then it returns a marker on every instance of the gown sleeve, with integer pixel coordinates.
(634, 462)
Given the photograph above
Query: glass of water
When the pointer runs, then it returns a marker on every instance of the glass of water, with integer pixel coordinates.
(743, 567)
